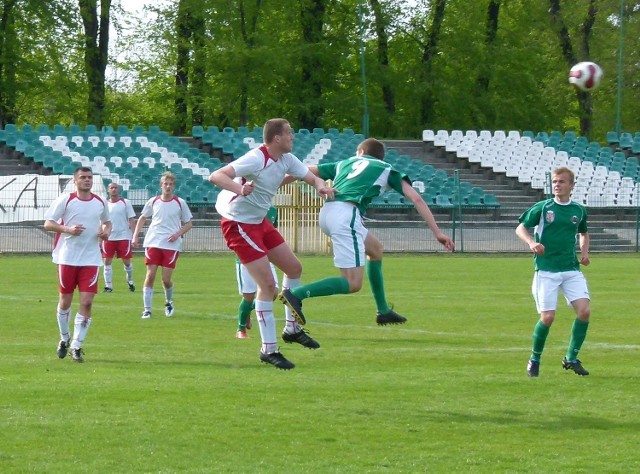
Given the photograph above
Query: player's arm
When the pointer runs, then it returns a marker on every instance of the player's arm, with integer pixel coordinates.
(53, 226)
(523, 234)
(136, 231)
(105, 230)
(319, 184)
(290, 179)
(224, 179)
(584, 241)
(426, 214)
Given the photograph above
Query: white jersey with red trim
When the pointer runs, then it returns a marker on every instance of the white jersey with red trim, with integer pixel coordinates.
(69, 210)
(166, 219)
(120, 212)
(267, 175)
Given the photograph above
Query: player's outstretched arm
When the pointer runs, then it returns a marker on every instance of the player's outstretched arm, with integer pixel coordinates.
(427, 215)
(320, 185)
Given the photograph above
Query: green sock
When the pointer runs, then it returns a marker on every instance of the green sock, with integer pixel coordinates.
(376, 282)
(326, 287)
(244, 310)
(578, 334)
(540, 333)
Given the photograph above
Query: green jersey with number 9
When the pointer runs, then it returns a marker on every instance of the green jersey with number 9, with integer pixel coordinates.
(359, 179)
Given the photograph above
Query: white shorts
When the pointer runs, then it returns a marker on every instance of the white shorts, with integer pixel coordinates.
(343, 223)
(246, 283)
(546, 285)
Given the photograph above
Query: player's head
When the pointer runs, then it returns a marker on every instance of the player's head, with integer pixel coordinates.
(563, 170)
(113, 189)
(562, 181)
(83, 178)
(277, 133)
(371, 147)
(167, 182)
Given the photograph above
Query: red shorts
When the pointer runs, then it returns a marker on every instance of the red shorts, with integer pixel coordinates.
(250, 241)
(85, 278)
(161, 257)
(116, 248)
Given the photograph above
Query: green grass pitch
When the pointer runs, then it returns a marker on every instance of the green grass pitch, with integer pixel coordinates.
(446, 392)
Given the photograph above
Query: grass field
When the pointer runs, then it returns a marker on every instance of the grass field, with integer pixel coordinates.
(446, 392)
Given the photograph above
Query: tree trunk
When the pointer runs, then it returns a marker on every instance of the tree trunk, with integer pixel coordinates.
(7, 64)
(429, 50)
(388, 96)
(312, 15)
(96, 40)
(585, 106)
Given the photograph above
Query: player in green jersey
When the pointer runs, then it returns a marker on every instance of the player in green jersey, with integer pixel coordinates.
(556, 223)
(357, 181)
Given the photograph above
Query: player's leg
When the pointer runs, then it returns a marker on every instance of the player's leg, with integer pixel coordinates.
(260, 271)
(88, 287)
(107, 272)
(252, 243)
(283, 258)
(247, 289)
(128, 270)
(575, 290)
(147, 289)
(167, 285)
(342, 222)
(544, 288)
(67, 281)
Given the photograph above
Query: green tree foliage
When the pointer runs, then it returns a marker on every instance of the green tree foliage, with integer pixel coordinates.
(453, 64)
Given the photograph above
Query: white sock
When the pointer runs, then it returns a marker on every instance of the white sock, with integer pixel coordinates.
(147, 298)
(81, 326)
(63, 323)
(267, 324)
(129, 271)
(168, 294)
(108, 272)
(291, 325)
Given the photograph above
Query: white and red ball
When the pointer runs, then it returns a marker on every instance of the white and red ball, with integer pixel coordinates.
(585, 76)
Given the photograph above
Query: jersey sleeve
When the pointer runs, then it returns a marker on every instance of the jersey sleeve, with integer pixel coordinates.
(247, 165)
(395, 180)
(583, 228)
(147, 210)
(105, 217)
(56, 210)
(186, 215)
(531, 217)
(328, 170)
(130, 212)
(295, 167)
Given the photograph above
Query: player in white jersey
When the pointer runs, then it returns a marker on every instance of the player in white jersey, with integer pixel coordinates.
(119, 243)
(249, 185)
(79, 219)
(170, 220)
(357, 181)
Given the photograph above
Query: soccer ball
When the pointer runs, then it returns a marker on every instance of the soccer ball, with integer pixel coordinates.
(585, 76)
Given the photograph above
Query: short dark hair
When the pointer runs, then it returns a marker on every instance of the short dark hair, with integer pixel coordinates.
(272, 128)
(83, 169)
(373, 148)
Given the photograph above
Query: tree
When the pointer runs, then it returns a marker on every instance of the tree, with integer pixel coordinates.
(96, 43)
(8, 53)
(312, 14)
(568, 52)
